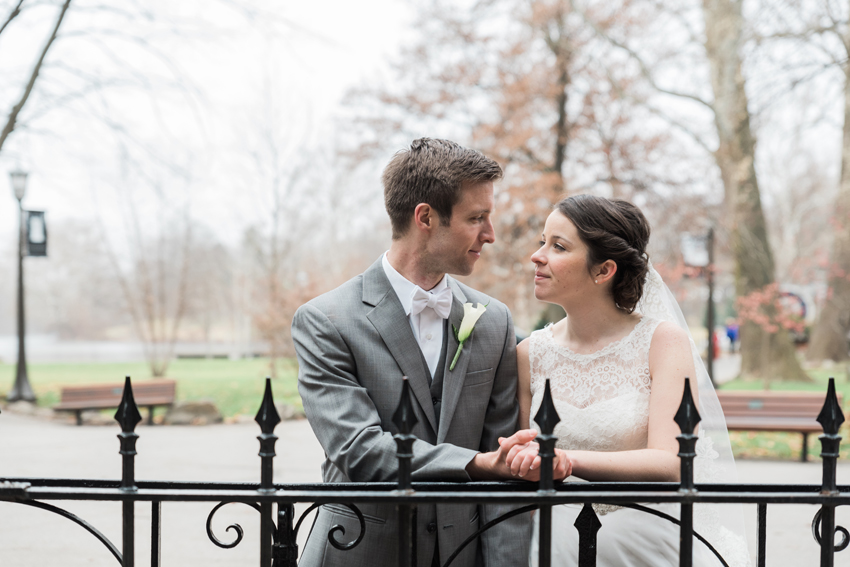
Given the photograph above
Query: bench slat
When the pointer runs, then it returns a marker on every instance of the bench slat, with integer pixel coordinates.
(773, 411)
(105, 396)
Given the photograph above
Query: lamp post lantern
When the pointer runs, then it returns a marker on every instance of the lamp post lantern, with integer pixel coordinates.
(22, 389)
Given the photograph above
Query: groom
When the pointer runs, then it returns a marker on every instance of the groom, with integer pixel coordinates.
(355, 344)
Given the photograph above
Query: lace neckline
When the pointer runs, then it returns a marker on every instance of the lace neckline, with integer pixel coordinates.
(607, 349)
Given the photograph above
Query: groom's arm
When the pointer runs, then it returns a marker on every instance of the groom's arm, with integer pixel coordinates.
(344, 417)
(505, 544)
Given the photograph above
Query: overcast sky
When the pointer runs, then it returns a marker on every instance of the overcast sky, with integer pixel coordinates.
(321, 49)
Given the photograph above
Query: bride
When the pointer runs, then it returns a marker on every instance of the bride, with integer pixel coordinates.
(616, 366)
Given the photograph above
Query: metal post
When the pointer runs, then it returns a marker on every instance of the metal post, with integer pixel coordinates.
(156, 533)
(268, 418)
(21, 390)
(709, 274)
(687, 418)
(546, 418)
(762, 527)
(129, 417)
(587, 523)
(285, 547)
(405, 419)
(831, 417)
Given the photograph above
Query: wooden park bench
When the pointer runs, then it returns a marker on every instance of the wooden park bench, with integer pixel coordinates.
(774, 411)
(158, 392)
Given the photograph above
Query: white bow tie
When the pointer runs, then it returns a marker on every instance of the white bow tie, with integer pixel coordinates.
(440, 302)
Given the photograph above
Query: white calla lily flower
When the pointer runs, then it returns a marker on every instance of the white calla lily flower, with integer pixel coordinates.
(471, 314)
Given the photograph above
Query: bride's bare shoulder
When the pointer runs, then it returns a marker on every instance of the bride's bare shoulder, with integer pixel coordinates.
(522, 348)
(668, 334)
(670, 350)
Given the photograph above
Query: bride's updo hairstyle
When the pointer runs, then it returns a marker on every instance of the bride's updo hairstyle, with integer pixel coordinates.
(616, 230)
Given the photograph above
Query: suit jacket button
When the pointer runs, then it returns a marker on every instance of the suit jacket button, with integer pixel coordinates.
(432, 527)
(435, 401)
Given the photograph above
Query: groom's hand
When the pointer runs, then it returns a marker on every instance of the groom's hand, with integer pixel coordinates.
(523, 459)
(494, 465)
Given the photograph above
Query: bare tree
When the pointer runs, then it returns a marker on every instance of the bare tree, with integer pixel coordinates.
(283, 185)
(722, 40)
(72, 292)
(12, 118)
(831, 335)
(152, 271)
(754, 268)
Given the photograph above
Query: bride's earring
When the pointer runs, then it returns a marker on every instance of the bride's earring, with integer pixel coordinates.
(595, 281)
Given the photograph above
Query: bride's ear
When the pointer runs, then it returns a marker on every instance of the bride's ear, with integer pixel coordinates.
(604, 272)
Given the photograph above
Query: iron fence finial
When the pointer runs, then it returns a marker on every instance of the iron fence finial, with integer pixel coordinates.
(831, 417)
(687, 417)
(587, 524)
(547, 416)
(267, 416)
(404, 417)
(128, 415)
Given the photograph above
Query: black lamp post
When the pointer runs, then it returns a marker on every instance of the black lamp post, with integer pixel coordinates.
(698, 251)
(22, 389)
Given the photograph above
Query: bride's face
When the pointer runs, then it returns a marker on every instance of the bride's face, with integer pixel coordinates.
(561, 262)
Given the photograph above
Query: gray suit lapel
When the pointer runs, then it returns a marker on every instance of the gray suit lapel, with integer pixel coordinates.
(453, 379)
(394, 327)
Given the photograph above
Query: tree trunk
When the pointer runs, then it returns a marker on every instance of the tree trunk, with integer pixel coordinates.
(735, 157)
(830, 336)
(560, 47)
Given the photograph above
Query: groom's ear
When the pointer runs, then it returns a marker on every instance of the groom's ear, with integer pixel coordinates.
(605, 271)
(424, 217)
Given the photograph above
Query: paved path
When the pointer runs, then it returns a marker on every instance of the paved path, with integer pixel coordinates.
(40, 448)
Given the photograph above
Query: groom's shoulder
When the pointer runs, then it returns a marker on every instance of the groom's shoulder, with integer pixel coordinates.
(474, 296)
(350, 291)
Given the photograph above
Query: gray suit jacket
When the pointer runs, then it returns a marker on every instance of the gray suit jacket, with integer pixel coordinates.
(354, 344)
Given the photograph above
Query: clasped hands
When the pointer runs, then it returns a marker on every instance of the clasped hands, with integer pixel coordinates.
(517, 457)
(523, 461)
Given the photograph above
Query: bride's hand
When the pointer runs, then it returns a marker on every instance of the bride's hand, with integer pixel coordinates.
(523, 460)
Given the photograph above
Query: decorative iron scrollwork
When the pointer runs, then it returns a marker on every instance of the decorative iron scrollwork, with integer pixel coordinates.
(673, 520)
(816, 529)
(487, 526)
(236, 527)
(337, 528)
(332, 533)
(80, 522)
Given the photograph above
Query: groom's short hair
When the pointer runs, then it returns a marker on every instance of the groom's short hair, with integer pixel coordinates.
(432, 171)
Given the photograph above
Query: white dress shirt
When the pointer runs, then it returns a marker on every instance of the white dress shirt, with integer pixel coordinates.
(427, 326)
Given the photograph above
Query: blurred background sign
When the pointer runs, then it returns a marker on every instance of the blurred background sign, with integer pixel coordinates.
(36, 234)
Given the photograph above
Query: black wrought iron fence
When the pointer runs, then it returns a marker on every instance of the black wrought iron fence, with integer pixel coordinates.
(276, 502)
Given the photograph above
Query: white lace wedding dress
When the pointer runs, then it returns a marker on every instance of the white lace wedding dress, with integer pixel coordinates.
(603, 402)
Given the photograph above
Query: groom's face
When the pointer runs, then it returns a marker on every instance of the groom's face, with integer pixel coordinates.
(455, 248)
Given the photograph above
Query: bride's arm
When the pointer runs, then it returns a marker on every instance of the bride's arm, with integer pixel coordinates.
(669, 362)
(523, 387)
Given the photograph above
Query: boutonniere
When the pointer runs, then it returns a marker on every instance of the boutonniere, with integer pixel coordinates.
(470, 317)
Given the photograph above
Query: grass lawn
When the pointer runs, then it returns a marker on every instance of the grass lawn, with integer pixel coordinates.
(236, 386)
(750, 444)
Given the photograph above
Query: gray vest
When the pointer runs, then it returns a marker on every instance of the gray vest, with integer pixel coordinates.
(437, 379)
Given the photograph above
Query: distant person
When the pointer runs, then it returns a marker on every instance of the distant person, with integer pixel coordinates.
(732, 334)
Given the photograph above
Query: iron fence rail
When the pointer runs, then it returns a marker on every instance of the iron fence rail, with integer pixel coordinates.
(279, 526)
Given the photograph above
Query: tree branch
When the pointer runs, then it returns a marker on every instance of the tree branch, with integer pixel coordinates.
(647, 74)
(13, 116)
(12, 15)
